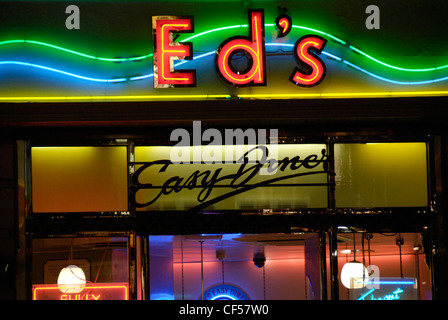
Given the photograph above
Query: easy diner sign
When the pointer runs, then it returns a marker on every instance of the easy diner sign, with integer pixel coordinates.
(300, 179)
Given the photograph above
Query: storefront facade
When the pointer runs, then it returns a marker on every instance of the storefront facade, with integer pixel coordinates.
(240, 150)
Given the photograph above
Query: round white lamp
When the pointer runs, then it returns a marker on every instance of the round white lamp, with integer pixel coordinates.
(354, 275)
(71, 279)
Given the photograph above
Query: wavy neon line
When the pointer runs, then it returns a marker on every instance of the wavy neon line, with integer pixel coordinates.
(409, 83)
(395, 67)
(141, 77)
(332, 56)
(33, 65)
(142, 57)
(44, 44)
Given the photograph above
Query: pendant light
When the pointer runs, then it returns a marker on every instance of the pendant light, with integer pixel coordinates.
(354, 273)
(71, 279)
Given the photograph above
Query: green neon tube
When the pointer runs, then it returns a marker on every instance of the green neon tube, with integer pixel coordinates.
(75, 52)
(142, 57)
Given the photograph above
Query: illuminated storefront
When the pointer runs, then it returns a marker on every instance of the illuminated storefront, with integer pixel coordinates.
(223, 151)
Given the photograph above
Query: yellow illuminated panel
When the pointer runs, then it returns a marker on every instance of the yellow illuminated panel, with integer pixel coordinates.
(381, 175)
(79, 179)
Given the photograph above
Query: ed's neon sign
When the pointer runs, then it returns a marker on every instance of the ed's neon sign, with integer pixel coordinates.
(307, 49)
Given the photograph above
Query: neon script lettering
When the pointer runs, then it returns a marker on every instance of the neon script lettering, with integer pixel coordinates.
(251, 48)
(393, 296)
(242, 179)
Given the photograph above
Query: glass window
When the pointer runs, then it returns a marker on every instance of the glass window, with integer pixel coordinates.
(383, 267)
(235, 267)
(80, 268)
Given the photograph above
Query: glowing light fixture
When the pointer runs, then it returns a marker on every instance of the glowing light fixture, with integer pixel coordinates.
(71, 279)
(353, 273)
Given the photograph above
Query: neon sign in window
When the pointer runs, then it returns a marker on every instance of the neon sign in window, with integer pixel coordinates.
(395, 295)
(388, 289)
(101, 291)
(225, 292)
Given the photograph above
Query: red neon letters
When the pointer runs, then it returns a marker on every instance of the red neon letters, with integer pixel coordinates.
(166, 51)
(314, 66)
(252, 48)
(91, 291)
(240, 61)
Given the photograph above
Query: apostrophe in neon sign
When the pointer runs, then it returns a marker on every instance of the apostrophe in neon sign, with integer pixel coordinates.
(312, 70)
(166, 51)
(284, 25)
(252, 48)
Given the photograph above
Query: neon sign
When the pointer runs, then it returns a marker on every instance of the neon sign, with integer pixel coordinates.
(225, 292)
(284, 25)
(395, 295)
(252, 47)
(166, 51)
(316, 67)
(51, 68)
(389, 289)
(95, 292)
